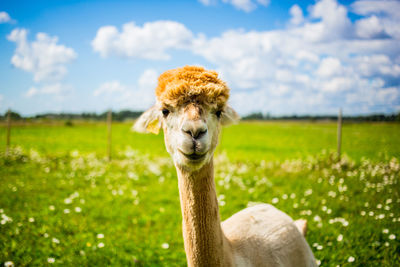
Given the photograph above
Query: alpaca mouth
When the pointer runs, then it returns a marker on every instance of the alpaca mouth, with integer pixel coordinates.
(194, 156)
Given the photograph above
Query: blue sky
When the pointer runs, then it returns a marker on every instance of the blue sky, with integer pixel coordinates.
(281, 57)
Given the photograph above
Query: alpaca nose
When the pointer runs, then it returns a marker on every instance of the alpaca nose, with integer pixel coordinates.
(195, 129)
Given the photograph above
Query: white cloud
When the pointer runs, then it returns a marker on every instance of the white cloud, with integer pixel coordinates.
(206, 2)
(109, 88)
(150, 41)
(369, 28)
(329, 67)
(138, 97)
(338, 84)
(5, 18)
(334, 22)
(313, 67)
(247, 5)
(321, 62)
(148, 80)
(297, 15)
(376, 65)
(387, 12)
(43, 57)
(372, 99)
(244, 5)
(56, 89)
(366, 7)
(387, 95)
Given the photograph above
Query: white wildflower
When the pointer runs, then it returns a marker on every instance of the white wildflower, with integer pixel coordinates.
(165, 245)
(275, 200)
(317, 218)
(55, 240)
(332, 194)
(5, 219)
(51, 260)
(371, 213)
(100, 236)
(340, 238)
(78, 209)
(100, 245)
(351, 259)
(392, 237)
(9, 264)
(31, 219)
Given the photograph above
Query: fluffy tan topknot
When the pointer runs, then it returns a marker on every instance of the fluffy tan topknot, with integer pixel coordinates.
(191, 83)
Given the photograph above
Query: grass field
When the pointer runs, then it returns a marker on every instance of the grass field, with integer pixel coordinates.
(62, 203)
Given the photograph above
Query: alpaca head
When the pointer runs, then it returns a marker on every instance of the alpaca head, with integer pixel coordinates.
(190, 108)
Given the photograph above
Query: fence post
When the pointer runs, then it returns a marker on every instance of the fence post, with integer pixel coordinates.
(339, 133)
(109, 121)
(8, 132)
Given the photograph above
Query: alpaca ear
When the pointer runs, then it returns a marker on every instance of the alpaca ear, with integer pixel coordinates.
(148, 122)
(229, 116)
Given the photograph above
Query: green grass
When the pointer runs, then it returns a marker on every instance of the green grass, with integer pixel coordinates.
(245, 141)
(58, 193)
(283, 140)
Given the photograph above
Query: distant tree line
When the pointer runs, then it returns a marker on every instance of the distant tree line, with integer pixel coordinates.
(370, 117)
(117, 116)
(130, 115)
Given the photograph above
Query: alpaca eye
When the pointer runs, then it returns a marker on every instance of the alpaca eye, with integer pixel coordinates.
(165, 112)
(218, 113)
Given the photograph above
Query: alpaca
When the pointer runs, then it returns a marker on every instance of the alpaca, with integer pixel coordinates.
(191, 106)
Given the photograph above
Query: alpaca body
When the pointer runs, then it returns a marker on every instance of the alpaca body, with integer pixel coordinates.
(262, 235)
(256, 236)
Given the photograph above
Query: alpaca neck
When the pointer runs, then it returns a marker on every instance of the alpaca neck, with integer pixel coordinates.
(205, 243)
